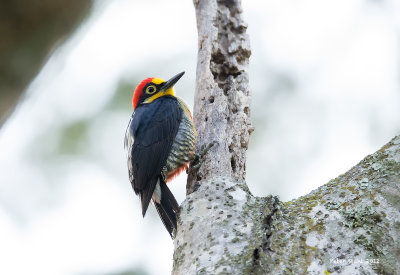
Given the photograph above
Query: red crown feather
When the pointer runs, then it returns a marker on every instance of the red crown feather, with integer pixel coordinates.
(139, 90)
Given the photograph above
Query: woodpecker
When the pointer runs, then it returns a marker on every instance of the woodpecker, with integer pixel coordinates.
(160, 143)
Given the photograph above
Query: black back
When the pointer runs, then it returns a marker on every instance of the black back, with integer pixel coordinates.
(153, 127)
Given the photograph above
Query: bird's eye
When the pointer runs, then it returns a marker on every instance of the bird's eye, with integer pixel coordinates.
(151, 90)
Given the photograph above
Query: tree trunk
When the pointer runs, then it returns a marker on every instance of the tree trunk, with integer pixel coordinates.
(350, 225)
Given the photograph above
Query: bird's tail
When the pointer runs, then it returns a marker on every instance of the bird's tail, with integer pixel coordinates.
(167, 208)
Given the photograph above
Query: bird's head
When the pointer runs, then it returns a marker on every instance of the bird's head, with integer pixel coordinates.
(152, 88)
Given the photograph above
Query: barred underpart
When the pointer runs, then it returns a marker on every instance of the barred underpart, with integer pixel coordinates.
(183, 147)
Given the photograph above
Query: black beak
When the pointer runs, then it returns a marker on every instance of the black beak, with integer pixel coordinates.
(171, 82)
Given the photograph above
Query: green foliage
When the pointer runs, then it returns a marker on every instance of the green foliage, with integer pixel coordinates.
(122, 96)
(73, 138)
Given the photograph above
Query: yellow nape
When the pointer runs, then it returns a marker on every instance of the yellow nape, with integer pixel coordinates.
(161, 93)
(157, 81)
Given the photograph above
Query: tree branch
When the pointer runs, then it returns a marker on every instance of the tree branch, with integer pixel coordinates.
(350, 225)
(32, 30)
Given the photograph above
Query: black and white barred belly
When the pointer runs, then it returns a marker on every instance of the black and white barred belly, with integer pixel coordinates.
(183, 147)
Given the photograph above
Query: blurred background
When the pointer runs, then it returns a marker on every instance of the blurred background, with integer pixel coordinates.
(324, 78)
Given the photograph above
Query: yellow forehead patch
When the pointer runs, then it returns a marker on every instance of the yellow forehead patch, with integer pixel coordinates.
(157, 80)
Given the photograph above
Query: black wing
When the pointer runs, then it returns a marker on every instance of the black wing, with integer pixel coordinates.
(149, 139)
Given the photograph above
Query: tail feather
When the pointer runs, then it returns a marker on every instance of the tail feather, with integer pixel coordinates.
(145, 197)
(167, 209)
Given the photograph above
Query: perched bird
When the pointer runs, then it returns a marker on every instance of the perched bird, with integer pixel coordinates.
(160, 142)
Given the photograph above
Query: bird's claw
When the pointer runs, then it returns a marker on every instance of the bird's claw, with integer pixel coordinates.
(195, 163)
(164, 173)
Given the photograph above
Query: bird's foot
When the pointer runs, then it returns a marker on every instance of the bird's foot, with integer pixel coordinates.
(196, 161)
(164, 173)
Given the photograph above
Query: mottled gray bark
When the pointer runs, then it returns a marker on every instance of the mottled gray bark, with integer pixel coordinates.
(349, 225)
(222, 99)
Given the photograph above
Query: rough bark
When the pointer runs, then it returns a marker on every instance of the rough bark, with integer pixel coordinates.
(222, 98)
(349, 225)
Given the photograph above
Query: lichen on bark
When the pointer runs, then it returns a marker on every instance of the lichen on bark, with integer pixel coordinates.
(351, 225)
